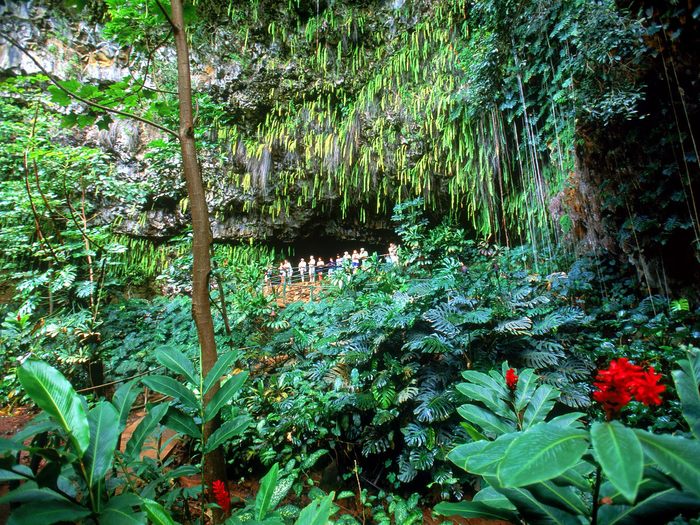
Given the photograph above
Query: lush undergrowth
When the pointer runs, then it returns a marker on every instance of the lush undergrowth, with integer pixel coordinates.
(353, 399)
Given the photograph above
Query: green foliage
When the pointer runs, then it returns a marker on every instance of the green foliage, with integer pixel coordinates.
(75, 478)
(374, 363)
(558, 471)
(273, 489)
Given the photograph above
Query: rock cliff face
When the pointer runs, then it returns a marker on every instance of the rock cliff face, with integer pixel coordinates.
(72, 49)
(319, 115)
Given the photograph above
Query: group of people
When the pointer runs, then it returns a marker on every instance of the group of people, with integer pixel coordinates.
(314, 269)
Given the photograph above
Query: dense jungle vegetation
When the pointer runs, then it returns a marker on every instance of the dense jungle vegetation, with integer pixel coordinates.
(528, 354)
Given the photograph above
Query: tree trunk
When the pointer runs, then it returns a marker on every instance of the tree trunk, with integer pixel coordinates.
(214, 466)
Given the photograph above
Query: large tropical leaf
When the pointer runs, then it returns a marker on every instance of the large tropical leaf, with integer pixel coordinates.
(173, 388)
(485, 463)
(122, 400)
(55, 395)
(178, 363)
(527, 385)
(475, 509)
(620, 455)
(536, 512)
(119, 510)
(565, 498)
(487, 396)
(317, 512)
(104, 435)
(157, 514)
(461, 453)
(678, 456)
(485, 419)
(180, 422)
(687, 382)
(224, 395)
(226, 431)
(221, 367)
(48, 512)
(144, 429)
(660, 507)
(265, 492)
(541, 404)
(541, 453)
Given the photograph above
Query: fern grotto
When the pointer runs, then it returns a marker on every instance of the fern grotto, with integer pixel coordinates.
(349, 262)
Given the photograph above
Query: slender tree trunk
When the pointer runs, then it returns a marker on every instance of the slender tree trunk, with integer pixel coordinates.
(214, 465)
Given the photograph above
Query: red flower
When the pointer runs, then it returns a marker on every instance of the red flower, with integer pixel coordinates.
(511, 379)
(621, 382)
(222, 496)
(646, 388)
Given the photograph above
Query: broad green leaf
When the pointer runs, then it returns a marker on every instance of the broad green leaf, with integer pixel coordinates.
(485, 419)
(104, 435)
(9, 445)
(122, 400)
(620, 455)
(564, 498)
(144, 429)
(224, 395)
(535, 512)
(222, 366)
(494, 499)
(267, 489)
(157, 515)
(541, 453)
(541, 404)
(119, 510)
(577, 476)
(687, 382)
(226, 431)
(317, 512)
(472, 432)
(281, 489)
(171, 387)
(182, 423)
(479, 378)
(30, 492)
(486, 463)
(486, 396)
(461, 453)
(18, 472)
(679, 457)
(177, 362)
(660, 507)
(475, 509)
(48, 512)
(568, 420)
(55, 395)
(527, 384)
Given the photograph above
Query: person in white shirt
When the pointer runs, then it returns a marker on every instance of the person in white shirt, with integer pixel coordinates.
(312, 269)
(302, 269)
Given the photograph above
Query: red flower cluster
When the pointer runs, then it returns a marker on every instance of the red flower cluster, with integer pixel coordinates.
(622, 381)
(222, 496)
(511, 379)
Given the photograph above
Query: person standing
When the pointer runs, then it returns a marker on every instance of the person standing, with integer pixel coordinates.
(312, 269)
(363, 256)
(320, 266)
(289, 270)
(355, 261)
(302, 269)
(393, 253)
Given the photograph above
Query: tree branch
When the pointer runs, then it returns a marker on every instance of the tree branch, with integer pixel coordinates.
(81, 99)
